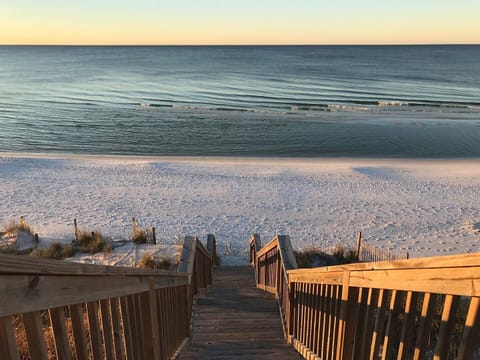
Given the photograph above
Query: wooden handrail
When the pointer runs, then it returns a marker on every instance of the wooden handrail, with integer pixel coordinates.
(197, 262)
(11, 264)
(271, 263)
(94, 311)
(402, 308)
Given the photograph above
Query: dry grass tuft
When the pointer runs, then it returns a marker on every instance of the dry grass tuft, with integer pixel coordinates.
(92, 242)
(54, 251)
(316, 257)
(148, 261)
(15, 228)
(139, 237)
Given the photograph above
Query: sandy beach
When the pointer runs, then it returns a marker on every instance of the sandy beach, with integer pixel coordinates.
(424, 207)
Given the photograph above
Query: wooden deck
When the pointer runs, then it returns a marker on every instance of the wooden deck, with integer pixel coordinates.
(235, 320)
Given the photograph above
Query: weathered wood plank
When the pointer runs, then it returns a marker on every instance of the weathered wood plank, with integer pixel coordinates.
(78, 329)
(128, 327)
(107, 329)
(230, 324)
(471, 331)
(16, 265)
(57, 319)
(7, 339)
(34, 331)
(439, 262)
(426, 316)
(406, 335)
(25, 293)
(448, 314)
(464, 281)
(94, 326)
(118, 336)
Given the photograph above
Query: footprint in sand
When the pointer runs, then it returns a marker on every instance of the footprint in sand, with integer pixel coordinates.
(472, 227)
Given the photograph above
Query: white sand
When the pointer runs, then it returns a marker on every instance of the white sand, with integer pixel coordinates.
(424, 207)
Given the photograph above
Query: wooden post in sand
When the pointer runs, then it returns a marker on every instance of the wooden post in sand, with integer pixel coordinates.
(154, 238)
(359, 244)
(76, 229)
(134, 228)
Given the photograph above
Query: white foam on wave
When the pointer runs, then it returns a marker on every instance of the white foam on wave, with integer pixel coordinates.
(392, 103)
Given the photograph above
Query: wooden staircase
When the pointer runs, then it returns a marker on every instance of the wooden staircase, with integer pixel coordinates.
(235, 320)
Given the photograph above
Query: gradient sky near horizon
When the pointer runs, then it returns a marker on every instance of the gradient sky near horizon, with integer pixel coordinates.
(239, 22)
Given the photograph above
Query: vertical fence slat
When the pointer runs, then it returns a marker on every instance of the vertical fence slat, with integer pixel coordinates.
(360, 329)
(34, 331)
(127, 326)
(390, 331)
(107, 329)
(7, 339)
(326, 294)
(351, 323)
(309, 323)
(331, 320)
(368, 323)
(448, 314)
(57, 320)
(150, 325)
(406, 336)
(343, 314)
(379, 324)
(315, 324)
(471, 330)
(78, 328)
(94, 326)
(163, 320)
(335, 317)
(319, 336)
(118, 338)
(425, 325)
(167, 320)
(135, 313)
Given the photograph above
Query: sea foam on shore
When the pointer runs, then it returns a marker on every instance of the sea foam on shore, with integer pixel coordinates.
(425, 207)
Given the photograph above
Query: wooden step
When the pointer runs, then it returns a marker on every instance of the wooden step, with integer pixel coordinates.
(235, 320)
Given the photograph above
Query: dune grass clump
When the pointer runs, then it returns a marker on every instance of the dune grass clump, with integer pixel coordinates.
(16, 227)
(92, 242)
(54, 251)
(315, 257)
(148, 261)
(139, 237)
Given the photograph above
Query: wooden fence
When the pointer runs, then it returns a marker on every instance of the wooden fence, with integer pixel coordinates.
(405, 309)
(370, 253)
(63, 310)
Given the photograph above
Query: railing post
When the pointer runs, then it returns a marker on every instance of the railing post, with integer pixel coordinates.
(344, 309)
(359, 244)
(291, 311)
(278, 279)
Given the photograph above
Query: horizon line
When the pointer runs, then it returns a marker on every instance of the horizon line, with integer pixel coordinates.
(247, 44)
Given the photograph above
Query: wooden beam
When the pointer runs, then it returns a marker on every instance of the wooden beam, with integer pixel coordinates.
(57, 320)
(7, 339)
(16, 265)
(24, 293)
(34, 331)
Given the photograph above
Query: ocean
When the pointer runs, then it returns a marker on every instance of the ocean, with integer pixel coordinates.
(269, 101)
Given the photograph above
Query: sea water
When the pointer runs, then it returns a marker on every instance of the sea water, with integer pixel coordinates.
(297, 101)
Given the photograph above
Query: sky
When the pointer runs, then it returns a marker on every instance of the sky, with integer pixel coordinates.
(165, 22)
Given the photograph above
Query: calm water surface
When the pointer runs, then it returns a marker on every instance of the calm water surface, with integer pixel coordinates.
(305, 101)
